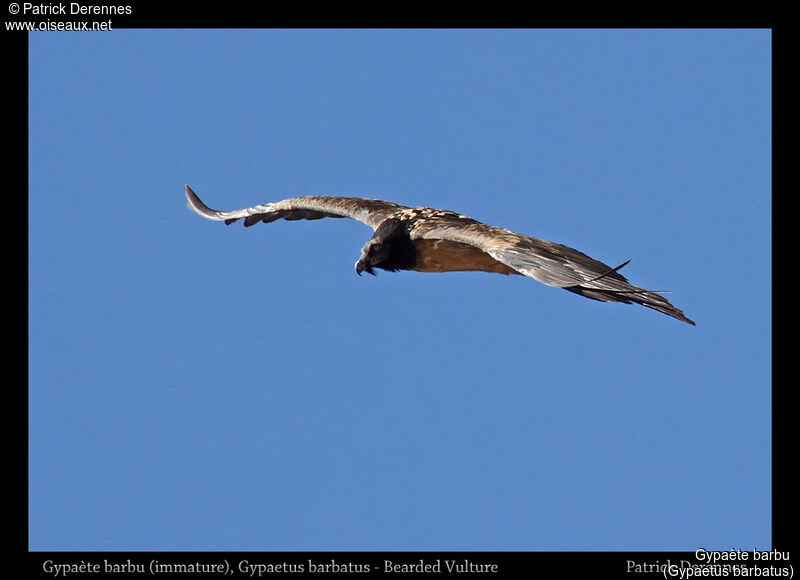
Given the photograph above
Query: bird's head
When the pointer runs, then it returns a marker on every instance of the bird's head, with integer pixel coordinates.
(373, 254)
(390, 248)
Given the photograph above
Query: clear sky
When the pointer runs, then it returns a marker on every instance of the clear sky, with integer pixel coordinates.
(197, 387)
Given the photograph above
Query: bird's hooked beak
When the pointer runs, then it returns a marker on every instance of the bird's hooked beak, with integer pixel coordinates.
(363, 266)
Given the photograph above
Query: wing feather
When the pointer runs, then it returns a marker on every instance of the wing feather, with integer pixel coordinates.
(547, 262)
(550, 263)
(312, 207)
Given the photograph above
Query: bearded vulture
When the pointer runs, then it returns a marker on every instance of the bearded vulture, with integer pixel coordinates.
(434, 240)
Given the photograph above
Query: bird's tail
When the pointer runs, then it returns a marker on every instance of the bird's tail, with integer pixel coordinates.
(613, 287)
(635, 295)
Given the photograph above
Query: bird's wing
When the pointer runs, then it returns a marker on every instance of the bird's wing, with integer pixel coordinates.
(548, 262)
(313, 207)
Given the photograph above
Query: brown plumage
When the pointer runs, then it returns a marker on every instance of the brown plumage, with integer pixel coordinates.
(434, 240)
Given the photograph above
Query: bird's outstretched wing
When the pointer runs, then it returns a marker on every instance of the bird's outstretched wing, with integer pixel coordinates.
(548, 262)
(312, 207)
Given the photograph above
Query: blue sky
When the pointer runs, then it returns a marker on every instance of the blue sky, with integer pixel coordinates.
(197, 387)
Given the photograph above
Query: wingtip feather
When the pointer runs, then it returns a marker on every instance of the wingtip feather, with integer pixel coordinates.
(195, 204)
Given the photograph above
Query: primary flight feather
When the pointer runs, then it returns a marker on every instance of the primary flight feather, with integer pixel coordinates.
(434, 240)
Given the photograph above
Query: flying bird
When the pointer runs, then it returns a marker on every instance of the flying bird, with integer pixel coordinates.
(434, 240)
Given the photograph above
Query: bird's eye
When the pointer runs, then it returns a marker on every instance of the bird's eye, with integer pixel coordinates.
(377, 247)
